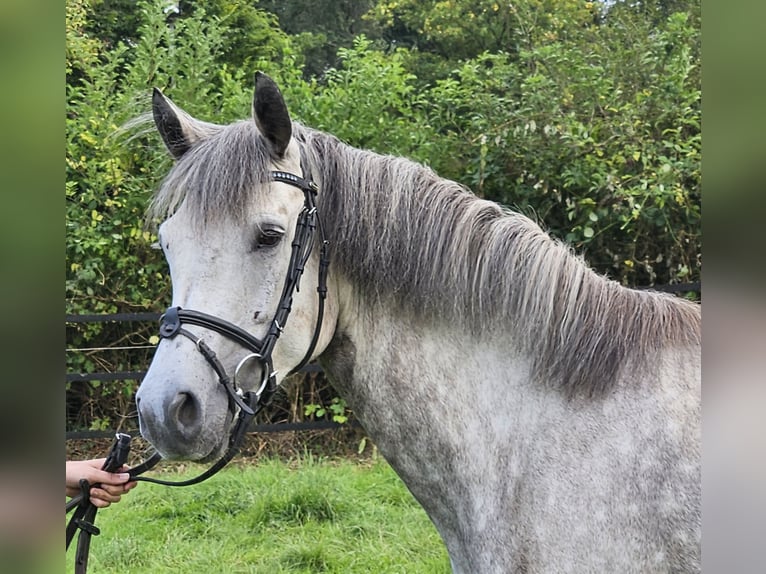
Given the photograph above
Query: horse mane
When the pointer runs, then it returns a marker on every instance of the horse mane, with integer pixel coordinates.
(405, 236)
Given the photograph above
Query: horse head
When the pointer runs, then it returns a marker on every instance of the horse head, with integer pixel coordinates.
(239, 229)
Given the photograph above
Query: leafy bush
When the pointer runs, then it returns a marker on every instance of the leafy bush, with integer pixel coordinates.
(608, 164)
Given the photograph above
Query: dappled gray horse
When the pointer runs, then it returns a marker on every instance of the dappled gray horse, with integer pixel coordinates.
(547, 419)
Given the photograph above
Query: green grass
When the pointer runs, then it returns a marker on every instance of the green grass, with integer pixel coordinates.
(272, 517)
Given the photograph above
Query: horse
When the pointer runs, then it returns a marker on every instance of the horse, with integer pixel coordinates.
(546, 417)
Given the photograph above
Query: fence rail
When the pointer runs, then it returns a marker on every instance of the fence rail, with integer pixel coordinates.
(138, 375)
(262, 428)
(106, 317)
(256, 428)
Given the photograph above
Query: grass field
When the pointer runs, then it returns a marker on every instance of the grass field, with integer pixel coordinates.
(270, 517)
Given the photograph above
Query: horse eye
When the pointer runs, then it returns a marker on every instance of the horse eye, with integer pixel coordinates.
(268, 238)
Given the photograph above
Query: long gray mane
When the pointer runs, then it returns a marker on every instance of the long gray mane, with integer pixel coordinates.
(405, 236)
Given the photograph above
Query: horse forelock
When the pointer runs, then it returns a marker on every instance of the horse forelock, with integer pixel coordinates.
(404, 236)
(216, 177)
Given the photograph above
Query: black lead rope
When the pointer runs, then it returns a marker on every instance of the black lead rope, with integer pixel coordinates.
(85, 514)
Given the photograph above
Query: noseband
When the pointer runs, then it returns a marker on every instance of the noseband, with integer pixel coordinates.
(245, 405)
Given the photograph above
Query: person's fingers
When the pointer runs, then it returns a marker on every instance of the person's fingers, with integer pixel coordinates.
(125, 469)
(99, 503)
(101, 494)
(128, 486)
(110, 485)
(108, 478)
(115, 489)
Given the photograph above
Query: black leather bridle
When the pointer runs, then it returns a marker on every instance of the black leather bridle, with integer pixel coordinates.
(244, 405)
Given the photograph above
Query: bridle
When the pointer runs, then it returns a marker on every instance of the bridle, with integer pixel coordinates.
(248, 404)
(244, 405)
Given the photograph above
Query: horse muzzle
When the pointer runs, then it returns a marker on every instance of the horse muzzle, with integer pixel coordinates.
(190, 420)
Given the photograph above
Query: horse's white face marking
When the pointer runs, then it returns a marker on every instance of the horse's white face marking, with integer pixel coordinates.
(234, 271)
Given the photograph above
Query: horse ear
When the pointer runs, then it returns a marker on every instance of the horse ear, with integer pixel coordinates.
(178, 129)
(270, 113)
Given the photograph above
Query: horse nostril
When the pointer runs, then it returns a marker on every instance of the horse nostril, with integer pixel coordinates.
(184, 411)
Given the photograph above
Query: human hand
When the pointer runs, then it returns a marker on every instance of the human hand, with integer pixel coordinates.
(111, 485)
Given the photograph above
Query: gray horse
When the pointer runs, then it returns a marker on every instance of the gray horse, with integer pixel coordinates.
(546, 418)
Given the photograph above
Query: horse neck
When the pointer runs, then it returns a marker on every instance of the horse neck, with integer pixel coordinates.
(584, 348)
(383, 355)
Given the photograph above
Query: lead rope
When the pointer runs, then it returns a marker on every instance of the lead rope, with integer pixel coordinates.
(85, 514)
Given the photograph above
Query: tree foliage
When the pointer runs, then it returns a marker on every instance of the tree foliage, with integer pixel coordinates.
(584, 115)
(603, 145)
